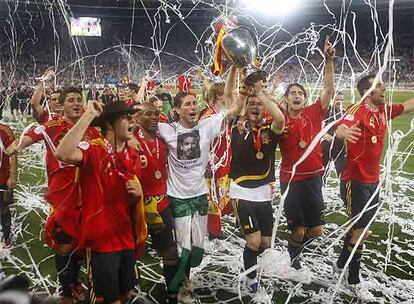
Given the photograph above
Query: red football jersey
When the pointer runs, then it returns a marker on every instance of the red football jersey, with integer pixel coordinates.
(52, 133)
(298, 135)
(184, 83)
(364, 156)
(153, 167)
(6, 138)
(106, 206)
(63, 187)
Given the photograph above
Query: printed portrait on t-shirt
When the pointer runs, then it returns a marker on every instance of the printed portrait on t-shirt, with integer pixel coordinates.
(188, 145)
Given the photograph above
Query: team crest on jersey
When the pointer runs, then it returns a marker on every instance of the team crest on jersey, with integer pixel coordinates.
(39, 129)
(83, 145)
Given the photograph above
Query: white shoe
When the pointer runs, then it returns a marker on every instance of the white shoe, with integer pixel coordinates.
(362, 293)
(252, 285)
(185, 293)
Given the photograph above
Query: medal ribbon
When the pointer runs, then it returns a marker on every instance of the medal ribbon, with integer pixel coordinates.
(257, 139)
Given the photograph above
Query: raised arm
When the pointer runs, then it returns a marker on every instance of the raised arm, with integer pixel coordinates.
(140, 96)
(271, 105)
(408, 105)
(38, 93)
(230, 87)
(68, 150)
(35, 101)
(328, 78)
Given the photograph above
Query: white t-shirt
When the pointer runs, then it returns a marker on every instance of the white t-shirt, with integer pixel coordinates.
(188, 151)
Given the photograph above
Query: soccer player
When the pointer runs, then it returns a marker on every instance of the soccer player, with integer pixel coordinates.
(333, 149)
(303, 205)
(363, 127)
(110, 193)
(40, 114)
(8, 179)
(252, 170)
(154, 184)
(220, 95)
(186, 185)
(61, 234)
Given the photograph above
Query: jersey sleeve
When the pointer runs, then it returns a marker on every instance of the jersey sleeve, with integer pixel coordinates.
(87, 152)
(394, 110)
(7, 136)
(37, 133)
(213, 124)
(315, 110)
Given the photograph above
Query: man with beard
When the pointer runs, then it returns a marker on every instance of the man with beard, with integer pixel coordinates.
(111, 193)
(252, 171)
(303, 205)
(154, 184)
(363, 127)
(61, 230)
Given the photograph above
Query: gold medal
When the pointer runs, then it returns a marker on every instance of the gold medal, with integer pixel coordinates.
(259, 155)
(374, 139)
(302, 143)
(157, 174)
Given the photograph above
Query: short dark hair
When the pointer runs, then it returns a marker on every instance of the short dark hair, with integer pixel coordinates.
(67, 91)
(296, 84)
(133, 87)
(56, 92)
(364, 84)
(178, 98)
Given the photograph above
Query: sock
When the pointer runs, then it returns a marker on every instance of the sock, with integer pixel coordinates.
(294, 248)
(343, 257)
(169, 272)
(355, 265)
(250, 259)
(308, 238)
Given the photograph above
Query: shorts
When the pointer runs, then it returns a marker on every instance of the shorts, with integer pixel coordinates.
(356, 196)
(255, 216)
(304, 204)
(164, 238)
(110, 275)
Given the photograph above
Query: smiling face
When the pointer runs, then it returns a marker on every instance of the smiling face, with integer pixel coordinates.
(296, 98)
(255, 110)
(72, 106)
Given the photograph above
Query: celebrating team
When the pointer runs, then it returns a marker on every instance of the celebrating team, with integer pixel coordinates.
(115, 170)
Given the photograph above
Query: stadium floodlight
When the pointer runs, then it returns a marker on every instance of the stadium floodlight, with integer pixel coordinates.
(271, 7)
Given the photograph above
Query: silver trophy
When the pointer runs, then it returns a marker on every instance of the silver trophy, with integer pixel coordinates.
(240, 48)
